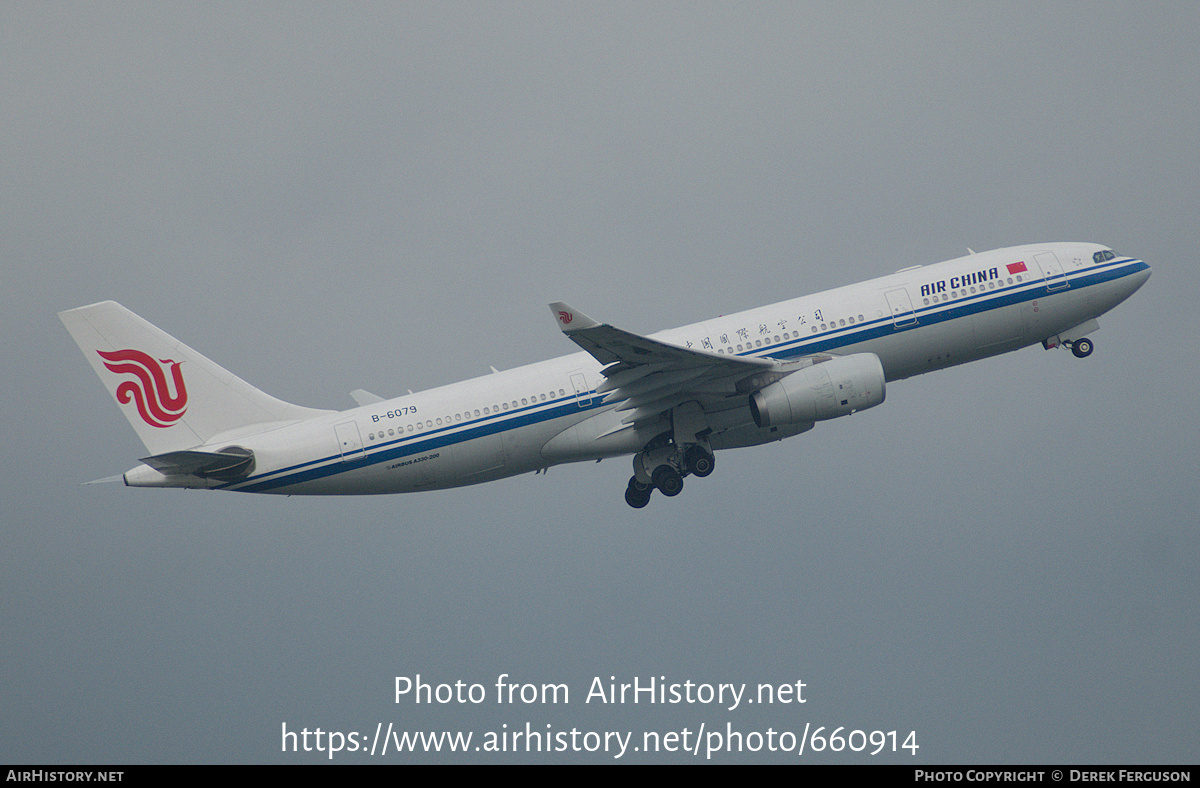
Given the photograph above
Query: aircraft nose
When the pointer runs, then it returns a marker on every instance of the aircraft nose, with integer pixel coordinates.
(1131, 282)
(1139, 277)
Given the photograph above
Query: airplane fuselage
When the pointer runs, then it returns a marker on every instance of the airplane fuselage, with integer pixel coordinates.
(529, 418)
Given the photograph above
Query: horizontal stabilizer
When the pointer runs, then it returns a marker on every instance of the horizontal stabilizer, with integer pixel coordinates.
(107, 479)
(205, 464)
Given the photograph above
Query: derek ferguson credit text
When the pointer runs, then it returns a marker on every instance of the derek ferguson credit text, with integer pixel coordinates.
(601, 690)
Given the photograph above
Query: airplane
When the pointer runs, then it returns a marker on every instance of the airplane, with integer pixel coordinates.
(671, 399)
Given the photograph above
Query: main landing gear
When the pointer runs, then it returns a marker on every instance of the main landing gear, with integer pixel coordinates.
(637, 494)
(663, 469)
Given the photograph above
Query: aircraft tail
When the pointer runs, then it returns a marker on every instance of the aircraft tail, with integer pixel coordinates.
(174, 397)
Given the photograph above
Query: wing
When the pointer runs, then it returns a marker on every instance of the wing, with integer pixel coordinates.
(650, 377)
(363, 397)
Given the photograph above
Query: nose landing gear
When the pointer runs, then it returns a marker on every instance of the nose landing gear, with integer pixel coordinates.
(1075, 339)
(1082, 348)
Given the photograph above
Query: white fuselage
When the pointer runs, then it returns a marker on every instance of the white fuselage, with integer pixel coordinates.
(524, 419)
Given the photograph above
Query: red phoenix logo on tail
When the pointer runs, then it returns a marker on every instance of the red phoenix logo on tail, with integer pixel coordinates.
(149, 391)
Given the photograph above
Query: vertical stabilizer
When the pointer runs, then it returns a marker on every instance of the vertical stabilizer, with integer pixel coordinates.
(174, 397)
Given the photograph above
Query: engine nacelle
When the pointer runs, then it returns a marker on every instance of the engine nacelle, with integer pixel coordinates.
(837, 387)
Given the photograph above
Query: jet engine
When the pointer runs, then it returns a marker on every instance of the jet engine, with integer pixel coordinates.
(833, 388)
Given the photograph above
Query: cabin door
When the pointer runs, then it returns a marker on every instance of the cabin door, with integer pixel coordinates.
(1052, 270)
(583, 396)
(349, 440)
(901, 306)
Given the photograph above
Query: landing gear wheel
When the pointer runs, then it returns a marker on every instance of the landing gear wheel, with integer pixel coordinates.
(667, 480)
(1082, 348)
(637, 498)
(699, 462)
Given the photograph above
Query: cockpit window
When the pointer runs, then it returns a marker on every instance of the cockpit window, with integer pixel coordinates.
(1100, 257)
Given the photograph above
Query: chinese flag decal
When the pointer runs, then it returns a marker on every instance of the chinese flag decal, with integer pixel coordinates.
(1017, 268)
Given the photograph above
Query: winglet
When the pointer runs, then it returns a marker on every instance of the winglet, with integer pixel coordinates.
(571, 319)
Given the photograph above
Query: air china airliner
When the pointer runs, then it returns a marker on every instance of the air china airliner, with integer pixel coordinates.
(670, 399)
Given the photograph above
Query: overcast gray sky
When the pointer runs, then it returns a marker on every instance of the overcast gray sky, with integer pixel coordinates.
(323, 197)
